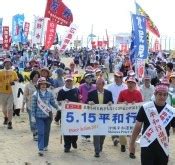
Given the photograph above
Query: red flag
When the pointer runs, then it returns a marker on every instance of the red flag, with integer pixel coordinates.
(58, 12)
(157, 46)
(124, 48)
(105, 43)
(50, 34)
(99, 43)
(5, 36)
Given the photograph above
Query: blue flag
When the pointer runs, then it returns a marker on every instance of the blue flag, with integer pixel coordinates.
(1, 19)
(17, 28)
(140, 37)
(132, 48)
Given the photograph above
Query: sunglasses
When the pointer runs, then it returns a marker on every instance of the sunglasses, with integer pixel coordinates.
(68, 80)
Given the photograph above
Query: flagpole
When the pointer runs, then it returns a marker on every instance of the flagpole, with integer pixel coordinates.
(169, 43)
(165, 43)
(113, 41)
(87, 42)
(98, 42)
(77, 42)
(92, 29)
(82, 41)
(107, 37)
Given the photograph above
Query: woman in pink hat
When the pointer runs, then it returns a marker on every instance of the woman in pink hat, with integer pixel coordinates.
(42, 103)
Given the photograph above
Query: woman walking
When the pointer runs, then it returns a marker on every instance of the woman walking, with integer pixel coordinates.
(42, 103)
(29, 89)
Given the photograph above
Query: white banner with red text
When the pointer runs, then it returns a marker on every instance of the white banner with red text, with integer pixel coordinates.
(68, 38)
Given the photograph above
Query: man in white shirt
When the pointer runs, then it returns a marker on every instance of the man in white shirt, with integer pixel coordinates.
(116, 87)
(147, 89)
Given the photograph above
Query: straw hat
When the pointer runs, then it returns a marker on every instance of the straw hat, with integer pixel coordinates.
(118, 74)
(46, 69)
(7, 60)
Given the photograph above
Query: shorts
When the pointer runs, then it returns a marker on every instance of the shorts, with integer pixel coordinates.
(6, 101)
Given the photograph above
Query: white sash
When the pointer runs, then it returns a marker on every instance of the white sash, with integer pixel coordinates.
(44, 107)
(158, 122)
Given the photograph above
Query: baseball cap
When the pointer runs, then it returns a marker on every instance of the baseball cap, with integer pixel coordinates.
(130, 79)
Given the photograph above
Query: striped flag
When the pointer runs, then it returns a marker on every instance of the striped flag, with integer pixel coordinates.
(149, 24)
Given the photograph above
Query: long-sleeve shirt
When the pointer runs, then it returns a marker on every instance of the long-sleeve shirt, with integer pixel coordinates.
(116, 89)
(28, 93)
(71, 95)
(47, 98)
(84, 89)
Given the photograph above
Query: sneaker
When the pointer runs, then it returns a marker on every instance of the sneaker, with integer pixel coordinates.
(97, 155)
(40, 153)
(5, 121)
(45, 149)
(123, 148)
(74, 145)
(9, 125)
(66, 150)
(35, 137)
(115, 142)
(88, 140)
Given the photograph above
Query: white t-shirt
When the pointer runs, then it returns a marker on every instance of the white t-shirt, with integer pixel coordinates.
(116, 89)
(147, 93)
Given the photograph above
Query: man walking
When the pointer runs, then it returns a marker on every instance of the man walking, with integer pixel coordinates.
(130, 95)
(99, 96)
(7, 78)
(156, 118)
(116, 87)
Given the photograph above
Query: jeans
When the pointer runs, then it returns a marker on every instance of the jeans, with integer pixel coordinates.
(43, 126)
(32, 124)
(98, 143)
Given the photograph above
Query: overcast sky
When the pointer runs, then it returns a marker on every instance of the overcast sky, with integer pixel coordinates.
(113, 15)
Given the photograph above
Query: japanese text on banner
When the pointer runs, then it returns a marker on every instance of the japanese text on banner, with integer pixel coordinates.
(82, 119)
(140, 40)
